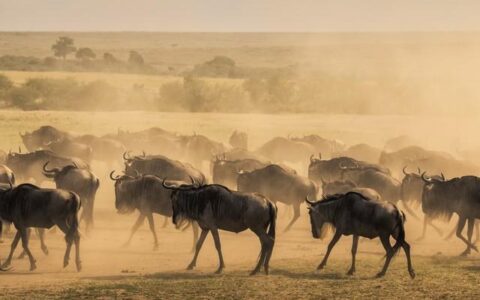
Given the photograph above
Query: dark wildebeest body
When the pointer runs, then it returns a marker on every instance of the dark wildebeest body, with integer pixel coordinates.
(70, 148)
(83, 182)
(215, 207)
(411, 191)
(353, 214)
(29, 165)
(146, 194)
(29, 206)
(162, 167)
(40, 138)
(343, 187)
(279, 185)
(457, 195)
(225, 172)
(331, 170)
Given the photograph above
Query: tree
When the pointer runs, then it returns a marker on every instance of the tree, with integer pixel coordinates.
(135, 58)
(85, 54)
(63, 47)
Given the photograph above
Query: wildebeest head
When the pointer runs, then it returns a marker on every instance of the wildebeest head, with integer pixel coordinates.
(179, 216)
(319, 220)
(55, 172)
(129, 160)
(125, 191)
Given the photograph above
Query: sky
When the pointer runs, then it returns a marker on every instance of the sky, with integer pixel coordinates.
(239, 15)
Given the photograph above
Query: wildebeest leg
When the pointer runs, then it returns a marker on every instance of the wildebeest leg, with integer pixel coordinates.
(265, 242)
(354, 252)
(152, 229)
(200, 241)
(461, 225)
(24, 236)
(406, 248)
(12, 250)
(471, 223)
(477, 230)
(22, 254)
(410, 210)
(218, 246)
(388, 248)
(424, 229)
(270, 244)
(195, 234)
(68, 239)
(78, 261)
(41, 236)
(332, 243)
(296, 215)
(135, 227)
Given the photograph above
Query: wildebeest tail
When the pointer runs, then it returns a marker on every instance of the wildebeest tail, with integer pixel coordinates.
(73, 205)
(401, 230)
(272, 209)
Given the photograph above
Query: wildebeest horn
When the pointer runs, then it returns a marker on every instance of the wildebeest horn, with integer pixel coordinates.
(419, 171)
(443, 176)
(319, 155)
(312, 159)
(125, 157)
(54, 170)
(429, 180)
(309, 202)
(114, 178)
(168, 187)
(75, 165)
(19, 149)
(405, 172)
(144, 154)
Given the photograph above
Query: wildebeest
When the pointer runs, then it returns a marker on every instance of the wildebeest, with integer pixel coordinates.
(6, 175)
(70, 148)
(361, 152)
(42, 136)
(320, 144)
(457, 195)
(199, 148)
(239, 140)
(162, 167)
(215, 207)
(83, 182)
(225, 172)
(30, 206)
(29, 165)
(105, 150)
(343, 187)
(279, 185)
(411, 191)
(281, 149)
(353, 214)
(146, 194)
(331, 169)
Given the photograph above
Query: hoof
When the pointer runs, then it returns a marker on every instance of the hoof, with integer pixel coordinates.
(219, 271)
(412, 274)
(33, 267)
(254, 272)
(65, 263)
(350, 272)
(190, 267)
(266, 271)
(380, 275)
(5, 265)
(464, 254)
(45, 250)
(79, 266)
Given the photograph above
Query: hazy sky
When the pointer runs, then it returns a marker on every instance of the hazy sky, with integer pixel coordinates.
(239, 15)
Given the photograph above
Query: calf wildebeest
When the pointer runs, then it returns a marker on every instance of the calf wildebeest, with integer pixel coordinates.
(146, 194)
(29, 165)
(457, 195)
(6, 175)
(83, 182)
(239, 140)
(215, 207)
(331, 170)
(343, 187)
(281, 149)
(279, 185)
(39, 138)
(411, 191)
(353, 214)
(225, 172)
(30, 206)
(162, 167)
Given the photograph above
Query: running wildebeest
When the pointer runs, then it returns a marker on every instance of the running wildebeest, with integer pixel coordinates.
(215, 207)
(83, 182)
(457, 195)
(29, 206)
(69, 147)
(42, 136)
(29, 165)
(278, 185)
(146, 194)
(411, 193)
(353, 214)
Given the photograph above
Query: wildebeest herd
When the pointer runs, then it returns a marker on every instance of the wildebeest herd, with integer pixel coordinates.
(209, 186)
